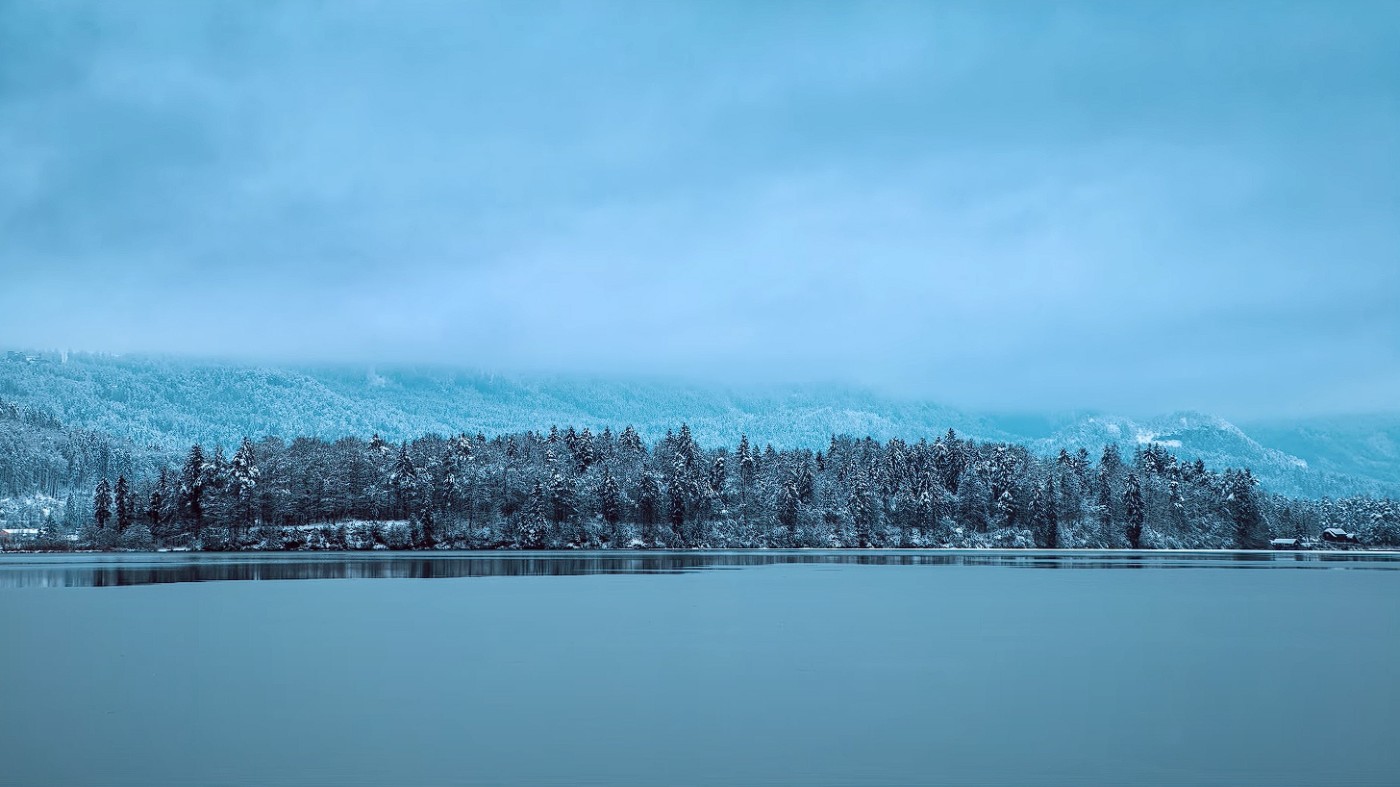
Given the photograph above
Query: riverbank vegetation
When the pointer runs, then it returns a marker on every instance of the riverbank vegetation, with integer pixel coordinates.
(577, 489)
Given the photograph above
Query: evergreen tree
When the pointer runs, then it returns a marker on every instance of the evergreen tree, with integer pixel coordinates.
(403, 482)
(125, 505)
(534, 529)
(192, 484)
(243, 475)
(748, 473)
(562, 505)
(717, 475)
(1176, 504)
(676, 494)
(585, 452)
(805, 483)
(1251, 530)
(610, 503)
(861, 505)
(102, 504)
(217, 509)
(1111, 461)
(973, 500)
(72, 518)
(377, 445)
(1045, 516)
(648, 507)
(1110, 466)
(950, 460)
(630, 442)
(1006, 511)
(686, 447)
(1134, 511)
(155, 505)
(790, 505)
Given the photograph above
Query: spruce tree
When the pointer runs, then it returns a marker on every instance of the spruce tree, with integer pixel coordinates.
(630, 442)
(610, 503)
(676, 494)
(648, 507)
(1045, 516)
(748, 473)
(102, 504)
(72, 519)
(533, 535)
(377, 445)
(950, 459)
(243, 474)
(1134, 511)
(192, 481)
(560, 493)
(154, 505)
(790, 505)
(403, 482)
(1251, 530)
(717, 475)
(861, 506)
(585, 451)
(125, 505)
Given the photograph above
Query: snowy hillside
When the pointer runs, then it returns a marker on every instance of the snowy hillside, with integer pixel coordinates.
(1219, 443)
(163, 405)
(174, 403)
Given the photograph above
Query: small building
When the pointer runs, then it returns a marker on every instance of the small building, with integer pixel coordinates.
(14, 536)
(1285, 543)
(1336, 535)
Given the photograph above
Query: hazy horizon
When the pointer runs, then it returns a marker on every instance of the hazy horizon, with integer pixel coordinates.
(1018, 208)
(1030, 421)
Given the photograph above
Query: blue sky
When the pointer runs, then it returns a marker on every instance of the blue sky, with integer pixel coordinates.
(1132, 206)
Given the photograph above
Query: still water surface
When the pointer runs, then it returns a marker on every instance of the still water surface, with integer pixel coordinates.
(807, 668)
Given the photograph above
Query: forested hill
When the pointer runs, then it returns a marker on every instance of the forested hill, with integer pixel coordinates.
(177, 402)
(154, 408)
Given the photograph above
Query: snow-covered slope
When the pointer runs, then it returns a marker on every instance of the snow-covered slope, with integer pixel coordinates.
(174, 403)
(168, 404)
(1220, 443)
(1361, 446)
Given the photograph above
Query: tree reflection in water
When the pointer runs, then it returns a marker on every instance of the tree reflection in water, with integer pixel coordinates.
(144, 569)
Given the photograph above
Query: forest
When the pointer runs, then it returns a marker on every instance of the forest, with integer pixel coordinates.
(569, 488)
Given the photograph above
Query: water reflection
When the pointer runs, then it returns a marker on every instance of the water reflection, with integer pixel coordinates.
(20, 571)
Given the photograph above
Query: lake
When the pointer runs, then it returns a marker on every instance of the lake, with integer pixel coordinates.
(768, 668)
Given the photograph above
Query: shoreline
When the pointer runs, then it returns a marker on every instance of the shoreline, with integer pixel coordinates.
(711, 551)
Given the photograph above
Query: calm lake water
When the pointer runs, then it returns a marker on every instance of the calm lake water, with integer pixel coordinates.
(700, 669)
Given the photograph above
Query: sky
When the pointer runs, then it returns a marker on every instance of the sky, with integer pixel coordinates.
(1139, 207)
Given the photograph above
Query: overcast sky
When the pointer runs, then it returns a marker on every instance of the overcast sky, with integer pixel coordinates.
(1131, 206)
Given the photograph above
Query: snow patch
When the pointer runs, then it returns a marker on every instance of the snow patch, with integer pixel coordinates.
(1146, 438)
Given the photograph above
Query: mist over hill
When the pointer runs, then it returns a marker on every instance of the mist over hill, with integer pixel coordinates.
(159, 406)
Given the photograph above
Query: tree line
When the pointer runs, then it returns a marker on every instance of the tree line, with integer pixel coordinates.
(580, 489)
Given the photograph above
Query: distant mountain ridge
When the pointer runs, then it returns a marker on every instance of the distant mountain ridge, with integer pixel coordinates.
(167, 404)
(1219, 443)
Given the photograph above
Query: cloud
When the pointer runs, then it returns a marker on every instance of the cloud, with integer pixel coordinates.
(1030, 207)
